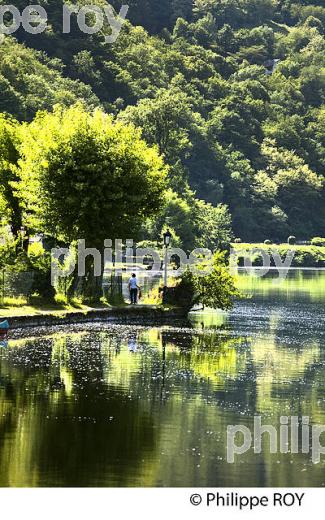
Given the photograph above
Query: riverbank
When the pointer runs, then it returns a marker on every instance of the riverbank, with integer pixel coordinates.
(305, 255)
(125, 314)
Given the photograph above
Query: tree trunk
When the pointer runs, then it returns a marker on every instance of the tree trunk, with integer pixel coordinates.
(92, 286)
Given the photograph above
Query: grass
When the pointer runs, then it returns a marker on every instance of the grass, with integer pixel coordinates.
(12, 307)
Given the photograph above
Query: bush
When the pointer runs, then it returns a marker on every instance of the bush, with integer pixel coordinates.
(40, 262)
(182, 295)
(215, 290)
(318, 241)
(305, 255)
(8, 252)
(33, 268)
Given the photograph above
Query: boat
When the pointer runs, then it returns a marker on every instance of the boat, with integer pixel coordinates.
(4, 328)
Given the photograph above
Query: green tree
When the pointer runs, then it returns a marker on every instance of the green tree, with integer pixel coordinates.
(169, 121)
(194, 222)
(294, 187)
(9, 172)
(30, 81)
(86, 177)
(216, 290)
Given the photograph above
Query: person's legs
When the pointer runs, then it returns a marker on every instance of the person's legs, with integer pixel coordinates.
(133, 294)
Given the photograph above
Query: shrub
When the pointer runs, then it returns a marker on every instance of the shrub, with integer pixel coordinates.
(215, 290)
(8, 252)
(318, 241)
(40, 262)
(182, 295)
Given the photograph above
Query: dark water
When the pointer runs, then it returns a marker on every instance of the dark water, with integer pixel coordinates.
(110, 405)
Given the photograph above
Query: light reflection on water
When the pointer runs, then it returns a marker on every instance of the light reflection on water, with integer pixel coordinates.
(110, 405)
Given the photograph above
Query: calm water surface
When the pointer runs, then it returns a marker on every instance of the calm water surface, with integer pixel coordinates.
(117, 405)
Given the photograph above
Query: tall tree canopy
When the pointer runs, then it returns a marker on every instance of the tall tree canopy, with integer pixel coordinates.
(84, 176)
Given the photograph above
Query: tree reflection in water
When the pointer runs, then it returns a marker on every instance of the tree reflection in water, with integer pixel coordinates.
(137, 406)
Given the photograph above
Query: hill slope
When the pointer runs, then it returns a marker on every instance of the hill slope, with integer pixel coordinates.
(232, 92)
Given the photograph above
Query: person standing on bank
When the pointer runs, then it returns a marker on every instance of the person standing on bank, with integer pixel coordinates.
(134, 289)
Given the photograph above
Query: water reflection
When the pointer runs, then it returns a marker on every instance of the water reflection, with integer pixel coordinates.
(110, 405)
(303, 284)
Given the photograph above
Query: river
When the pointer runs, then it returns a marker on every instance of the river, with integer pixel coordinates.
(118, 405)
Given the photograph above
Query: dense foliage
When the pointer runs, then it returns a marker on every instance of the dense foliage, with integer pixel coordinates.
(82, 176)
(231, 91)
(215, 289)
(304, 256)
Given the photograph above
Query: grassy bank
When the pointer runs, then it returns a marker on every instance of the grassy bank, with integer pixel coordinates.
(43, 308)
(51, 315)
(35, 307)
(305, 255)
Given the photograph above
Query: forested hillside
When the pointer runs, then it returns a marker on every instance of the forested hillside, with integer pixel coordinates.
(231, 91)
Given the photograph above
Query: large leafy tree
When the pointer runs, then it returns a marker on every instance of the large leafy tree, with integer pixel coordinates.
(86, 177)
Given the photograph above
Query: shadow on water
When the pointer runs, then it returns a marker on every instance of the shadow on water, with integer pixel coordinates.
(119, 405)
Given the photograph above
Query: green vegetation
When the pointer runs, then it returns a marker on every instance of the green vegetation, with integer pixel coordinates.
(205, 116)
(72, 175)
(318, 241)
(305, 256)
(81, 173)
(217, 289)
(199, 79)
(300, 285)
